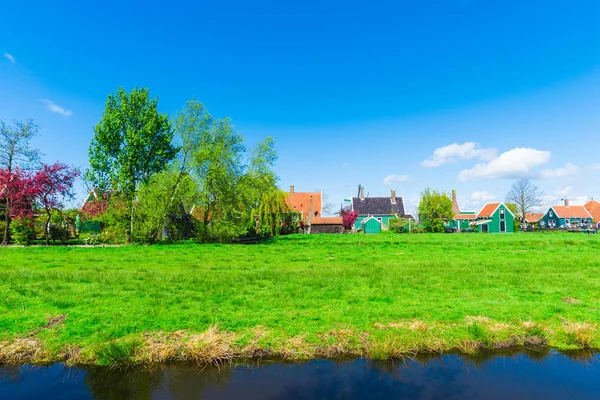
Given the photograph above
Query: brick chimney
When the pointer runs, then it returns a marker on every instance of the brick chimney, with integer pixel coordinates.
(455, 207)
(393, 196)
(291, 189)
(311, 211)
(362, 193)
(566, 202)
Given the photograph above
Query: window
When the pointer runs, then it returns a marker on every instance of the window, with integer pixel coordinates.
(379, 219)
(502, 213)
(551, 214)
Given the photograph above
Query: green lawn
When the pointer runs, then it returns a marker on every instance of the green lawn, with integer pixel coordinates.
(299, 297)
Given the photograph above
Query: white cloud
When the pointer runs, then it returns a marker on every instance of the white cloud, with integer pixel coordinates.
(10, 57)
(388, 180)
(594, 167)
(483, 196)
(455, 152)
(515, 163)
(568, 171)
(564, 191)
(55, 108)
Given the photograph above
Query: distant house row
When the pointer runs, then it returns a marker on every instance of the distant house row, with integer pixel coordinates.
(566, 216)
(497, 218)
(374, 213)
(492, 218)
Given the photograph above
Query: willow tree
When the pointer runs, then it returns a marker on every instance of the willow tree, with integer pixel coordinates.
(271, 212)
(132, 142)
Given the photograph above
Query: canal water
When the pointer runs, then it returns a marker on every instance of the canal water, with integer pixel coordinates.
(522, 376)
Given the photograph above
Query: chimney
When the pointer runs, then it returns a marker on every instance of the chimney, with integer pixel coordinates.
(291, 189)
(393, 196)
(455, 207)
(566, 202)
(362, 193)
(358, 193)
(310, 212)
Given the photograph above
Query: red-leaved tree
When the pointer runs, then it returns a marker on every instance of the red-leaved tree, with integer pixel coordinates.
(348, 217)
(53, 185)
(18, 188)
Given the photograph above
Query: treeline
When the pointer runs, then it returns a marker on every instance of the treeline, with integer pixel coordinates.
(153, 177)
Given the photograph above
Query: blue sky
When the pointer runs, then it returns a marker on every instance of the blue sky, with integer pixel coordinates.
(464, 94)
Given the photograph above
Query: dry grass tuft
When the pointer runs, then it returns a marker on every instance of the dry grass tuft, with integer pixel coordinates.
(25, 350)
(469, 346)
(419, 326)
(210, 347)
(571, 300)
(582, 334)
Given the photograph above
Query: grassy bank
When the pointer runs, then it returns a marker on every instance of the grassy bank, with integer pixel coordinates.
(300, 297)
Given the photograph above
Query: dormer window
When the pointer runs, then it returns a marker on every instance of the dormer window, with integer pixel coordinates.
(502, 213)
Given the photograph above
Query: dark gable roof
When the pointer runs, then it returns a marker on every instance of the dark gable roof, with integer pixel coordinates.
(378, 206)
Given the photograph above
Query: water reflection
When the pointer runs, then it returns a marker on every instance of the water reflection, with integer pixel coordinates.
(489, 375)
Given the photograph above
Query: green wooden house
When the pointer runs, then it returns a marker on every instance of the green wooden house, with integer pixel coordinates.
(383, 209)
(565, 216)
(371, 225)
(495, 218)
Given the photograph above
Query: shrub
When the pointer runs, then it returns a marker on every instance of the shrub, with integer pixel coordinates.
(399, 225)
(22, 231)
(91, 239)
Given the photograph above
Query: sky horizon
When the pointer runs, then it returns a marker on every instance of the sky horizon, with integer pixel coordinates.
(452, 94)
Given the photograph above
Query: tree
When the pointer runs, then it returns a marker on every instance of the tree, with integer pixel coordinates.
(526, 196)
(434, 210)
(131, 143)
(18, 189)
(513, 209)
(52, 185)
(270, 213)
(16, 151)
(349, 217)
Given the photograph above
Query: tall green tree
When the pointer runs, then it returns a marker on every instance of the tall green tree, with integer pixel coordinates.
(132, 142)
(16, 151)
(434, 210)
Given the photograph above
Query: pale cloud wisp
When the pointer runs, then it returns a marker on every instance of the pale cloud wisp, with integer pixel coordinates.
(454, 152)
(55, 108)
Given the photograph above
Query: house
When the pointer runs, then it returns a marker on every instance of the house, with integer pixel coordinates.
(495, 218)
(381, 208)
(593, 208)
(308, 204)
(532, 219)
(326, 225)
(462, 219)
(565, 216)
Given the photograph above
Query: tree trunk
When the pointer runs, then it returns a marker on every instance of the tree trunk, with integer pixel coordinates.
(130, 231)
(48, 227)
(6, 223)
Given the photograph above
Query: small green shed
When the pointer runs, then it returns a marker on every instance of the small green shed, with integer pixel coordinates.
(371, 225)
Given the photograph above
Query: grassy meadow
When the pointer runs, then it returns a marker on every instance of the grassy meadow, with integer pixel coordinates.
(299, 297)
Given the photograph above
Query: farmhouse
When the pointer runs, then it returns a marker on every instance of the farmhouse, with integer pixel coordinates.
(593, 207)
(565, 216)
(462, 219)
(308, 204)
(382, 209)
(533, 219)
(495, 218)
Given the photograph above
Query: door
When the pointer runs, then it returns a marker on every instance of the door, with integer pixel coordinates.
(484, 228)
(502, 226)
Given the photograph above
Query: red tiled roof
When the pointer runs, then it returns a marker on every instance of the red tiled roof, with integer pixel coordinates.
(571, 212)
(465, 216)
(488, 210)
(326, 221)
(593, 208)
(300, 202)
(533, 218)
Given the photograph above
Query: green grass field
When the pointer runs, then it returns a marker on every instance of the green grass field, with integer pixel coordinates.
(300, 297)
